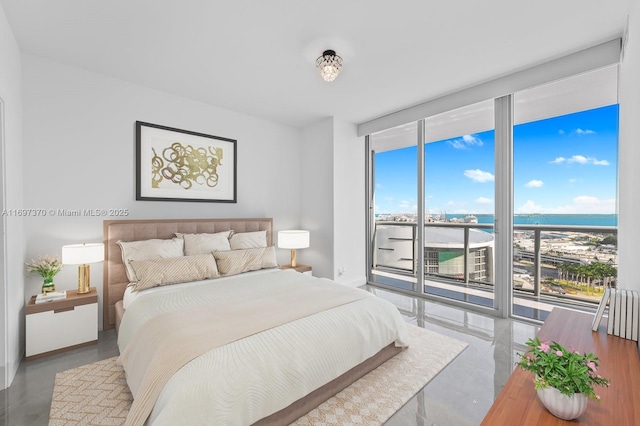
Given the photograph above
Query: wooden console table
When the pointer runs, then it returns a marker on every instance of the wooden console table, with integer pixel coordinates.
(518, 403)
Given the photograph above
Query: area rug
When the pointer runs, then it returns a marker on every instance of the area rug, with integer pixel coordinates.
(97, 394)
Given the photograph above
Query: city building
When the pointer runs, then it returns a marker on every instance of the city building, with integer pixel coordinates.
(444, 251)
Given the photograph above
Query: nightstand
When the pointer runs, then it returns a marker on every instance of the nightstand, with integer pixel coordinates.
(304, 269)
(61, 325)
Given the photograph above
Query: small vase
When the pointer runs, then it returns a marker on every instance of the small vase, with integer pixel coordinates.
(563, 406)
(48, 286)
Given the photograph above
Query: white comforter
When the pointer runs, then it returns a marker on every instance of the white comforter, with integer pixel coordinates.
(244, 381)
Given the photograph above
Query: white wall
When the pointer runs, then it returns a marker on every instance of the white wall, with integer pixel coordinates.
(349, 204)
(629, 156)
(12, 246)
(333, 209)
(317, 197)
(79, 140)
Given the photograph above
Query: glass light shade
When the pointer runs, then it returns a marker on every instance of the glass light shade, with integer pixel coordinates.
(329, 65)
(293, 239)
(80, 254)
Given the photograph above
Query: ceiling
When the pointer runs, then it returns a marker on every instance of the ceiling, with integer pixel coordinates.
(257, 57)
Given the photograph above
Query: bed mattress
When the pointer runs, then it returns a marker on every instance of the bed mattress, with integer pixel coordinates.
(249, 379)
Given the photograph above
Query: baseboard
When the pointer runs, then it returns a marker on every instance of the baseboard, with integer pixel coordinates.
(354, 282)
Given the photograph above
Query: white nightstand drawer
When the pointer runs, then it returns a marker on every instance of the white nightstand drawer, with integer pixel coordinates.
(60, 328)
(51, 330)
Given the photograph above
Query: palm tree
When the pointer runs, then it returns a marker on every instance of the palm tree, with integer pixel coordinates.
(566, 270)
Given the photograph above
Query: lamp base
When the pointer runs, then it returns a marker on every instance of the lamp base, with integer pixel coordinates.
(84, 279)
(293, 259)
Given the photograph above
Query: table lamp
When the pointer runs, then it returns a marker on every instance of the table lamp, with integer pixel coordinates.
(82, 255)
(293, 239)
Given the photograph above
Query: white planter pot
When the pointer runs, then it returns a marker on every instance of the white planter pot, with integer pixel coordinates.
(563, 406)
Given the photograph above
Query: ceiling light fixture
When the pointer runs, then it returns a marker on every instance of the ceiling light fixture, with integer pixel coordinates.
(329, 65)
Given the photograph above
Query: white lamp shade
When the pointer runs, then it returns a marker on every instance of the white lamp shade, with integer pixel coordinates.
(293, 239)
(80, 254)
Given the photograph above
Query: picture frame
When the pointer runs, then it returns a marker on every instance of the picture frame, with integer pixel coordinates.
(180, 165)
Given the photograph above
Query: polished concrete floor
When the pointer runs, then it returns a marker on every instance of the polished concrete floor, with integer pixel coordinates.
(463, 392)
(27, 401)
(460, 395)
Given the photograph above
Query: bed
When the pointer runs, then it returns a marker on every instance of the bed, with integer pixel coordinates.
(278, 343)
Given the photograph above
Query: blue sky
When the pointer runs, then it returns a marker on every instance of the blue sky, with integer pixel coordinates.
(562, 165)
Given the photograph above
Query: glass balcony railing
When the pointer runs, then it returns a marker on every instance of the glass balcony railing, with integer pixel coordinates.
(566, 264)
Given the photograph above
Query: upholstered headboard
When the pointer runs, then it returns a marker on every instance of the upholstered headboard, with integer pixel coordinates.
(115, 278)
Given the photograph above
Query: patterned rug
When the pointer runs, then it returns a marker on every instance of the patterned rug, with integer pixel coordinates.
(97, 394)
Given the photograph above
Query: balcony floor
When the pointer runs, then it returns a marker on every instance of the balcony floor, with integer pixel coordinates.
(525, 307)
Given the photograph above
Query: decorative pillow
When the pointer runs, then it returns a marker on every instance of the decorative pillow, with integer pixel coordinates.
(156, 272)
(238, 261)
(149, 249)
(205, 243)
(247, 240)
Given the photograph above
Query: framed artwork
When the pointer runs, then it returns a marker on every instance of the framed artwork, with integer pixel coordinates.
(179, 165)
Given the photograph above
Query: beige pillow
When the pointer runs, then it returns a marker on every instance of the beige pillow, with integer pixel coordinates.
(238, 261)
(247, 240)
(149, 249)
(156, 272)
(205, 243)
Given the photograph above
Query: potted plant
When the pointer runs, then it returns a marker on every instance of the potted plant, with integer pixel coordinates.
(564, 378)
(47, 267)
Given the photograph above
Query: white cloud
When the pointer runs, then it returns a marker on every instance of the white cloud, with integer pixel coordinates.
(529, 207)
(585, 199)
(583, 204)
(457, 144)
(579, 159)
(456, 207)
(465, 142)
(588, 204)
(407, 206)
(561, 132)
(584, 132)
(472, 140)
(478, 175)
(484, 200)
(534, 184)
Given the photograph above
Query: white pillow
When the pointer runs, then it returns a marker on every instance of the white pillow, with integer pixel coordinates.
(157, 272)
(238, 261)
(149, 249)
(247, 240)
(205, 243)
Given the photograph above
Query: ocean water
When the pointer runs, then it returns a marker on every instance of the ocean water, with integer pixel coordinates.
(551, 219)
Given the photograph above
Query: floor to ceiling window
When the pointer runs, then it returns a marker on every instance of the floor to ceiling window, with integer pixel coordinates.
(557, 161)
(394, 206)
(459, 204)
(565, 147)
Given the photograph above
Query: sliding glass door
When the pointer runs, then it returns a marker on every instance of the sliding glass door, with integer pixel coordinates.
(394, 207)
(565, 193)
(508, 205)
(459, 204)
